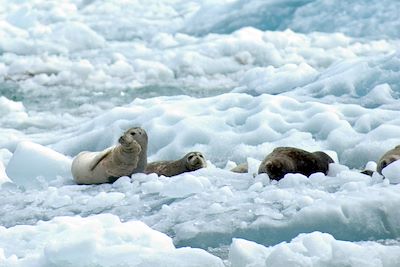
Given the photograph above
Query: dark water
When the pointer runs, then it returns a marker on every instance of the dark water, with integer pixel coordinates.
(67, 99)
(10, 91)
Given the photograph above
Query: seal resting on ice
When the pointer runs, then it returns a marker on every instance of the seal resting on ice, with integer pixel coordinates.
(190, 162)
(124, 159)
(283, 160)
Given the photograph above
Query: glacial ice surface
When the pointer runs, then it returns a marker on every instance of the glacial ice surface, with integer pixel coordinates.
(233, 79)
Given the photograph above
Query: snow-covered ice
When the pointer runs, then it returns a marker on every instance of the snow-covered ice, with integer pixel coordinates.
(100, 240)
(313, 249)
(40, 163)
(232, 79)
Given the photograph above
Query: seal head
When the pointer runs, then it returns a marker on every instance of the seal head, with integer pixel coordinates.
(195, 161)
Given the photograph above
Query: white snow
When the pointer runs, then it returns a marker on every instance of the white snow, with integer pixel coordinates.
(232, 79)
(313, 249)
(3, 176)
(101, 240)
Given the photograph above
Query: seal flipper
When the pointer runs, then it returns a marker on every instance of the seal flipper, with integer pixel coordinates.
(98, 158)
(112, 179)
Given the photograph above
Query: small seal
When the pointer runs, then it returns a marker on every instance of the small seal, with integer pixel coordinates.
(241, 168)
(190, 162)
(387, 158)
(283, 160)
(124, 159)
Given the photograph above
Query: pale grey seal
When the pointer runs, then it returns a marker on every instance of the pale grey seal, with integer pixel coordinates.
(124, 159)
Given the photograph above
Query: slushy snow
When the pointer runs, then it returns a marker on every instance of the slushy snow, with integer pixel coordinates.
(231, 79)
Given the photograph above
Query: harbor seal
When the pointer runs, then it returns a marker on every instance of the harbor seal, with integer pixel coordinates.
(124, 159)
(241, 168)
(190, 162)
(387, 158)
(283, 160)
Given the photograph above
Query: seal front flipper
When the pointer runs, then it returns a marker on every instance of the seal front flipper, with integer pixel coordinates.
(98, 158)
(136, 149)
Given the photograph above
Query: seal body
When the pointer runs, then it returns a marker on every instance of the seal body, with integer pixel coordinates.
(124, 159)
(241, 168)
(190, 162)
(283, 160)
(387, 158)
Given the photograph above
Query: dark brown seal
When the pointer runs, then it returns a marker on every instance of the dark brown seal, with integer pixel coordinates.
(387, 158)
(190, 162)
(283, 160)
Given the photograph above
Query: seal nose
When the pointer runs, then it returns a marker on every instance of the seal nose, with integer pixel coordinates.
(196, 160)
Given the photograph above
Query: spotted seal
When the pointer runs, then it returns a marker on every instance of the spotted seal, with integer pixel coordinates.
(190, 162)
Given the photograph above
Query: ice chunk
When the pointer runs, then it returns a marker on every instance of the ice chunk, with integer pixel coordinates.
(392, 172)
(184, 185)
(313, 249)
(101, 240)
(275, 81)
(32, 164)
(247, 253)
(379, 95)
(76, 36)
(3, 176)
(371, 165)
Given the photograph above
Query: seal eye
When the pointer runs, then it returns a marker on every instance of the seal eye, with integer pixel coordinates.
(133, 133)
(190, 157)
